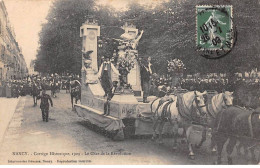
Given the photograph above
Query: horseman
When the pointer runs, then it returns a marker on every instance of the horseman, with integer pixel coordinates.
(35, 91)
(34, 86)
(75, 91)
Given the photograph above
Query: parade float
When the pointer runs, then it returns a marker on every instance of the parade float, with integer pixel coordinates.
(128, 115)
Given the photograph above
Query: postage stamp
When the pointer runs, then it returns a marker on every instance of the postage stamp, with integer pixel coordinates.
(215, 34)
(129, 82)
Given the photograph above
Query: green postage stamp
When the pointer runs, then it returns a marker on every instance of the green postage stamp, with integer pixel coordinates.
(214, 28)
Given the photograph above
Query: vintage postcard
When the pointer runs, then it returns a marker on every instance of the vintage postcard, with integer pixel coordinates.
(118, 82)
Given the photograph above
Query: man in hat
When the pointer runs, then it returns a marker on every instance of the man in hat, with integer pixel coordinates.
(146, 72)
(104, 74)
(45, 98)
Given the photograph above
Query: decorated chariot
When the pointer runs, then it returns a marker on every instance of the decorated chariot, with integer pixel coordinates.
(127, 114)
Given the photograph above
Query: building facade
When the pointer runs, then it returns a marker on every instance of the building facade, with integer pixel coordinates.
(12, 63)
(31, 68)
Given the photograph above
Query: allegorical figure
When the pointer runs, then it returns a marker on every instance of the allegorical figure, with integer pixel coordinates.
(45, 98)
(105, 73)
(146, 72)
(131, 41)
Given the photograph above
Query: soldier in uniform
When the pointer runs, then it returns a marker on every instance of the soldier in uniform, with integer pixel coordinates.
(45, 98)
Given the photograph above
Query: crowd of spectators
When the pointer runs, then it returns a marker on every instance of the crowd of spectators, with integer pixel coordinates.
(215, 83)
(246, 91)
(23, 87)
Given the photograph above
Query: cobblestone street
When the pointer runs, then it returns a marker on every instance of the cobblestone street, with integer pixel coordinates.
(66, 139)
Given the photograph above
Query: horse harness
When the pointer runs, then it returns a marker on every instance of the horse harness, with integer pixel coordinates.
(181, 109)
(250, 126)
(251, 130)
(165, 116)
(197, 104)
(199, 119)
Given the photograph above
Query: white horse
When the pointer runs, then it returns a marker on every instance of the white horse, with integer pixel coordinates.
(179, 111)
(218, 103)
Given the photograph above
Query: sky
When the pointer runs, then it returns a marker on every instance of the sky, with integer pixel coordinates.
(122, 4)
(27, 16)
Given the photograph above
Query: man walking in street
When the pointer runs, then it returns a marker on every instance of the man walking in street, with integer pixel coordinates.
(45, 98)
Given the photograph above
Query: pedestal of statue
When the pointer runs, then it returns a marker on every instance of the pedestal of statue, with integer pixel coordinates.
(91, 77)
(134, 79)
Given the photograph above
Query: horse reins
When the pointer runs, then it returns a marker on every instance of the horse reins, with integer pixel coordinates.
(156, 111)
(197, 105)
(209, 112)
(250, 125)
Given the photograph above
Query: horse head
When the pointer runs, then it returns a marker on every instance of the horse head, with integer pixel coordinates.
(200, 101)
(221, 101)
(228, 98)
(75, 83)
(195, 99)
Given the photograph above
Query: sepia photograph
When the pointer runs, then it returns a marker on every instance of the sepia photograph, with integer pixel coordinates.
(129, 82)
